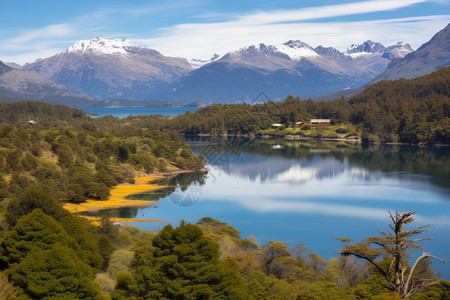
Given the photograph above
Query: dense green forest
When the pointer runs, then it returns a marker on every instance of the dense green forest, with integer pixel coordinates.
(57, 255)
(65, 156)
(408, 111)
(72, 158)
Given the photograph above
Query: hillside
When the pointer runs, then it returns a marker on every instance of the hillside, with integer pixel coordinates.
(4, 68)
(430, 57)
(409, 111)
(19, 85)
(42, 113)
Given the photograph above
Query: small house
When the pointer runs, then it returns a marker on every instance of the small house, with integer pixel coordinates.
(276, 125)
(320, 121)
(299, 124)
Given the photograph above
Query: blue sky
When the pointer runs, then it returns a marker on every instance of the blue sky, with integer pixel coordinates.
(199, 28)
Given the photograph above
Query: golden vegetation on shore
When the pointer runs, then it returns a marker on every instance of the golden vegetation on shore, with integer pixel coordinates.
(117, 199)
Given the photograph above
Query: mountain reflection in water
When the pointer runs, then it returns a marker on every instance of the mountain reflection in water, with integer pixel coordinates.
(308, 191)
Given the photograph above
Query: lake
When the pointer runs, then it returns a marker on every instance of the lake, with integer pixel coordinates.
(123, 112)
(307, 192)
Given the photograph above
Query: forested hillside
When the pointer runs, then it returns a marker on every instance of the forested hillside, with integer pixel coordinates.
(64, 156)
(50, 155)
(75, 158)
(408, 111)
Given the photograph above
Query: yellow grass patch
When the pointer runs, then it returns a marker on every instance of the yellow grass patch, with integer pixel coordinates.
(117, 198)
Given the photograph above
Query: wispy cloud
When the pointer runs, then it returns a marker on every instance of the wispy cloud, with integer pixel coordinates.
(51, 31)
(221, 32)
(329, 11)
(37, 38)
(205, 39)
(28, 45)
(275, 27)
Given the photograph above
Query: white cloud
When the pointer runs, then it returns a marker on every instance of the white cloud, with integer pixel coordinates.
(41, 34)
(202, 40)
(320, 12)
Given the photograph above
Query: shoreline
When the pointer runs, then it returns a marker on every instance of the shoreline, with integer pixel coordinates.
(118, 194)
(300, 137)
(169, 173)
(120, 191)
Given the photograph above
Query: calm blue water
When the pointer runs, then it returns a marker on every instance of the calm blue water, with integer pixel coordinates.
(309, 192)
(123, 112)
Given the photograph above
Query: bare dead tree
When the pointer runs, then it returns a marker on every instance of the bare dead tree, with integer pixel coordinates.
(394, 245)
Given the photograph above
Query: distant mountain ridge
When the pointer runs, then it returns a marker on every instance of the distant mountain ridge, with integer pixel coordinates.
(121, 69)
(4, 68)
(19, 85)
(135, 103)
(430, 57)
(293, 68)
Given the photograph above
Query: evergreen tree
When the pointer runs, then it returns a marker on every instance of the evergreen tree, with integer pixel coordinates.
(183, 264)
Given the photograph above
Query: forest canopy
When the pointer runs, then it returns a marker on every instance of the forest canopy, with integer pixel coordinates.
(408, 111)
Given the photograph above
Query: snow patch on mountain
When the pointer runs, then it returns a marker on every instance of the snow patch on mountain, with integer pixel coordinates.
(198, 63)
(400, 49)
(369, 48)
(254, 50)
(102, 46)
(296, 50)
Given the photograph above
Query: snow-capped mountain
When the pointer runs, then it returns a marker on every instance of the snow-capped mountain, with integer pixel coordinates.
(366, 47)
(292, 68)
(375, 57)
(117, 68)
(121, 69)
(369, 48)
(399, 50)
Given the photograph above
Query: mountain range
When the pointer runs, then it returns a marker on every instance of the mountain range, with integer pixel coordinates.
(430, 57)
(120, 69)
(18, 85)
(293, 68)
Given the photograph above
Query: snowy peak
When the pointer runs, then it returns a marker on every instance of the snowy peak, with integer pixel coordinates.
(296, 50)
(367, 47)
(254, 50)
(400, 49)
(102, 46)
(400, 46)
(370, 48)
(197, 63)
